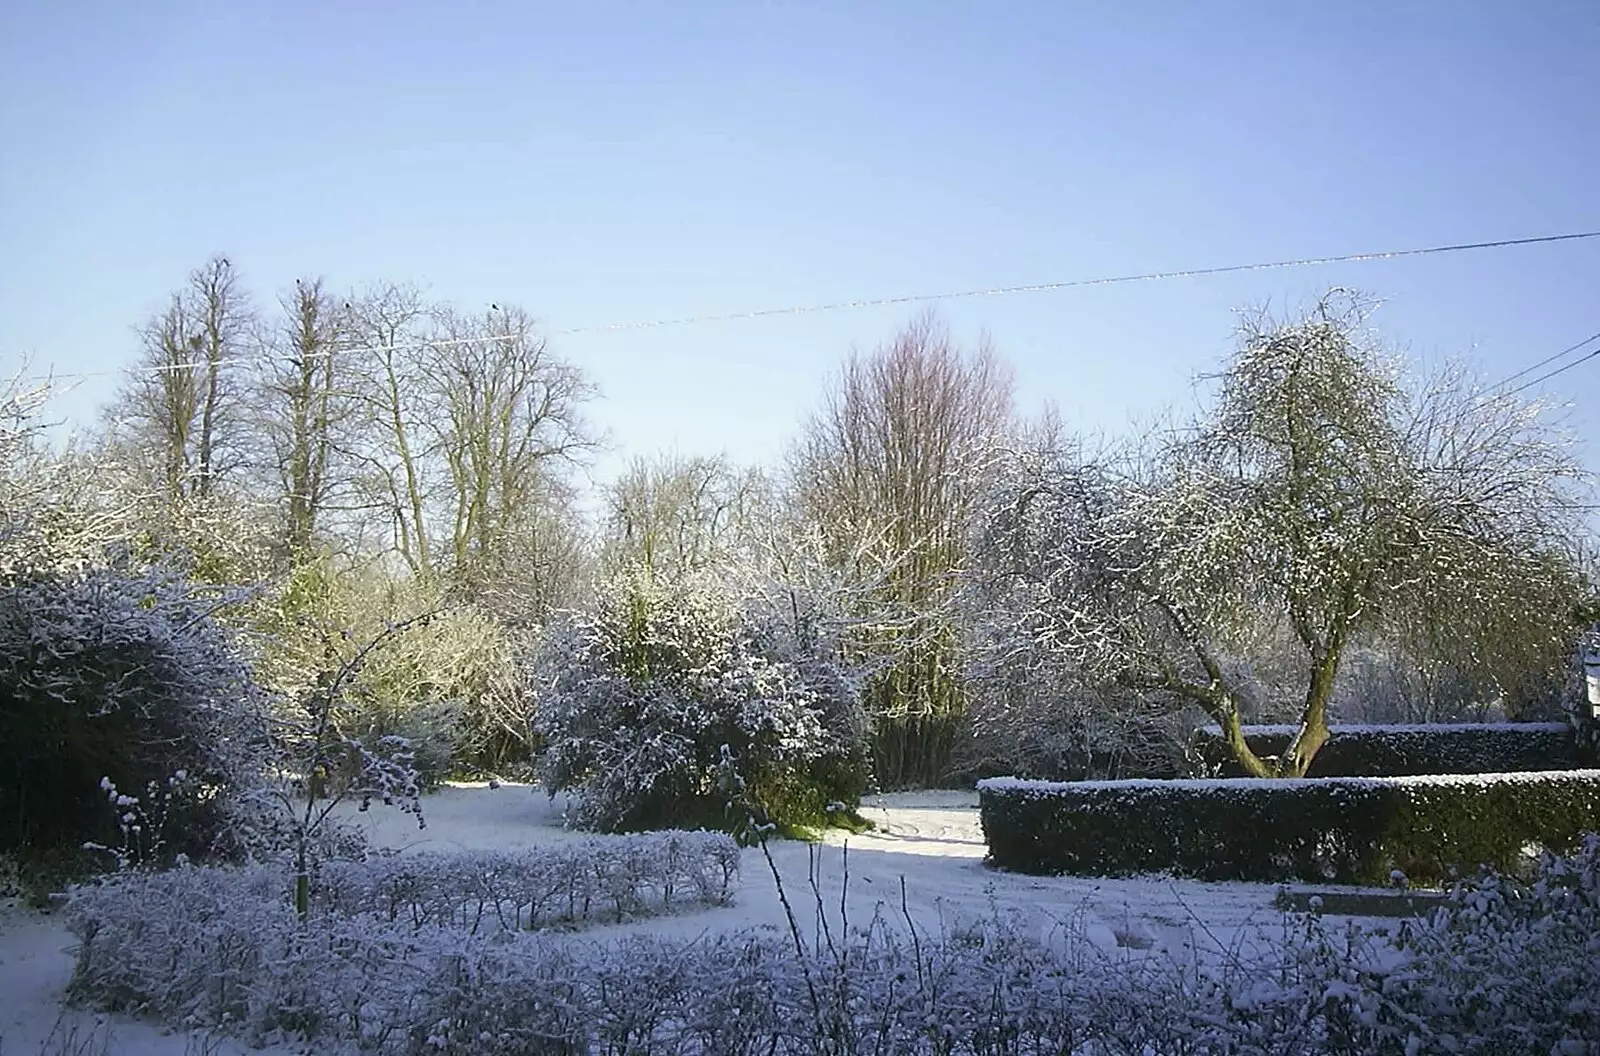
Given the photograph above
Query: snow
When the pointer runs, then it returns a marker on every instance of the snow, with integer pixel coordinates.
(1412, 728)
(925, 860)
(1020, 786)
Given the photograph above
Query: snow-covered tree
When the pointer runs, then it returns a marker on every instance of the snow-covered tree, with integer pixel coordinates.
(1319, 502)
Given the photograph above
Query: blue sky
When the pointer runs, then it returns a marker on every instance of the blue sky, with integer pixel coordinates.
(601, 163)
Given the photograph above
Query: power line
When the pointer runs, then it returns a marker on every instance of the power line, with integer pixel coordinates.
(1502, 383)
(880, 302)
(1041, 287)
(1559, 370)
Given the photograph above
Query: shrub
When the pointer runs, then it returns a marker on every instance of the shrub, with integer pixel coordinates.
(1344, 830)
(1403, 750)
(437, 684)
(638, 703)
(123, 675)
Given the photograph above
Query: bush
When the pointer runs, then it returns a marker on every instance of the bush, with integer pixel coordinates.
(638, 703)
(1404, 750)
(1077, 734)
(438, 684)
(123, 675)
(1504, 967)
(602, 878)
(1342, 830)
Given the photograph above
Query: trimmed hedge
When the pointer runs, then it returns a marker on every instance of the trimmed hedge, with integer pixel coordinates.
(1405, 750)
(1340, 830)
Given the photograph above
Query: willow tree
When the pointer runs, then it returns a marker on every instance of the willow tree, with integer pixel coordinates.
(1323, 499)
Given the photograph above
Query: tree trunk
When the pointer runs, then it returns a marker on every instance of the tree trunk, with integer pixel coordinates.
(1313, 732)
(1227, 716)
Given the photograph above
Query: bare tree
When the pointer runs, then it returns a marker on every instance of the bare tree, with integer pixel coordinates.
(180, 402)
(468, 428)
(1321, 503)
(389, 379)
(674, 515)
(890, 458)
(509, 425)
(303, 405)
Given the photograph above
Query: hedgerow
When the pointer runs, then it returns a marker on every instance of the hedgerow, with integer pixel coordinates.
(601, 878)
(1343, 830)
(1505, 966)
(1403, 750)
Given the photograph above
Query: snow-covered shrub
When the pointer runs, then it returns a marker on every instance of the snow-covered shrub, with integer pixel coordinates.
(121, 674)
(1504, 967)
(1402, 750)
(1507, 966)
(601, 878)
(1344, 830)
(638, 700)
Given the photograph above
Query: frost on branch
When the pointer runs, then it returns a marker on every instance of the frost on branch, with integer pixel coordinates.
(637, 700)
(1323, 503)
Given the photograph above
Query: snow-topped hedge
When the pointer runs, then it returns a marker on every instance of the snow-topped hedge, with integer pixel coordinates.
(603, 878)
(1505, 967)
(599, 880)
(1343, 830)
(1404, 750)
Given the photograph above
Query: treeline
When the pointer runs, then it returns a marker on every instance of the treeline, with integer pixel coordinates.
(951, 589)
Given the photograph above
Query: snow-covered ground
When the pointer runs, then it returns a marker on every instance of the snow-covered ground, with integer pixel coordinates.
(924, 859)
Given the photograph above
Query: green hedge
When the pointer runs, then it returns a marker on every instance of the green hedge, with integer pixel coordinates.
(1404, 750)
(1339, 830)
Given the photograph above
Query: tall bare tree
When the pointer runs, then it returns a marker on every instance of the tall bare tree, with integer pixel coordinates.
(509, 423)
(304, 403)
(890, 458)
(180, 404)
(389, 447)
(1320, 503)
(468, 428)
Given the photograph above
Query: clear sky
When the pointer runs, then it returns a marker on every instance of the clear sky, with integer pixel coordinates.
(604, 162)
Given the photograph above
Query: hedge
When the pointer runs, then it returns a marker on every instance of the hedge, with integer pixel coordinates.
(1406, 750)
(596, 880)
(1339, 830)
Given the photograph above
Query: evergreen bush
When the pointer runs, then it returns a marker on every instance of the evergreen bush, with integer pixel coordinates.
(121, 682)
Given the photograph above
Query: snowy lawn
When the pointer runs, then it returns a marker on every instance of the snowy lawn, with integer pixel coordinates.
(925, 859)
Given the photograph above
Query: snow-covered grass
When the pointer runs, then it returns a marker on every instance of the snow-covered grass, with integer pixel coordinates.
(1002, 962)
(931, 839)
